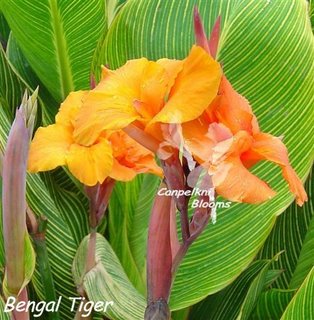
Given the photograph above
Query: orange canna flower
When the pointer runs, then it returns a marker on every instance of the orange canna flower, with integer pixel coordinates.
(147, 93)
(235, 143)
(111, 154)
(130, 158)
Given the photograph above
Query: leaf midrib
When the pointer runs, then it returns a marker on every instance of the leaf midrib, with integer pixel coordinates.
(66, 80)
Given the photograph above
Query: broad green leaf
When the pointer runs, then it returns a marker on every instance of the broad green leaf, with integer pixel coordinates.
(306, 257)
(129, 211)
(21, 66)
(302, 306)
(4, 30)
(254, 292)
(11, 86)
(73, 207)
(267, 50)
(293, 233)
(58, 39)
(238, 299)
(107, 281)
(272, 304)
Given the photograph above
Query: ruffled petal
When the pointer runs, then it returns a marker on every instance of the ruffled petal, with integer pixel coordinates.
(268, 147)
(102, 112)
(49, 148)
(122, 173)
(234, 182)
(90, 165)
(295, 184)
(193, 90)
(70, 108)
(110, 106)
(233, 110)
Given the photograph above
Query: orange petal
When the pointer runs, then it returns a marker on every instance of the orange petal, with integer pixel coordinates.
(234, 182)
(70, 108)
(233, 110)
(122, 173)
(234, 146)
(110, 105)
(268, 147)
(90, 165)
(295, 184)
(49, 148)
(148, 164)
(193, 90)
(102, 112)
(172, 68)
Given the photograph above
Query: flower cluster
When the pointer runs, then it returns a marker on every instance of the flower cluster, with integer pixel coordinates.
(94, 130)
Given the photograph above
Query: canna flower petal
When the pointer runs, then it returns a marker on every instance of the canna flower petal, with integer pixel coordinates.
(166, 91)
(122, 173)
(69, 108)
(90, 164)
(234, 182)
(193, 90)
(49, 148)
(131, 158)
(233, 110)
(268, 147)
(200, 138)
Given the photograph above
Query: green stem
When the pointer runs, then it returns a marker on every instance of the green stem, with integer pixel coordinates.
(45, 272)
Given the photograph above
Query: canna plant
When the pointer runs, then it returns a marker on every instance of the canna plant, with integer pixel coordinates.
(113, 168)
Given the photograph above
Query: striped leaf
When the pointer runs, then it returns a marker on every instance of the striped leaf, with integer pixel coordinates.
(4, 30)
(3, 315)
(129, 212)
(267, 50)
(294, 234)
(237, 300)
(58, 39)
(21, 66)
(107, 281)
(272, 304)
(302, 306)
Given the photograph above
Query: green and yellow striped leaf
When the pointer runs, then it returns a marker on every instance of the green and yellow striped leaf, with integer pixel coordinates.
(267, 50)
(3, 315)
(293, 234)
(238, 300)
(302, 306)
(58, 39)
(272, 303)
(107, 281)
(129, 211)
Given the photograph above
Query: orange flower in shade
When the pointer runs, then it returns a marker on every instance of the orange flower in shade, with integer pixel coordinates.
(148, 93)
(111, 155)
(234, 143)
(130, 158)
